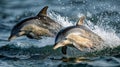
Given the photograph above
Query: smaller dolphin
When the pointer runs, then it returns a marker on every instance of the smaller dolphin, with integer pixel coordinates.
(35, 27)
(78, 36)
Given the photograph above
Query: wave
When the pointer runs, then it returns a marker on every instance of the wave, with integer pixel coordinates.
(32, 52)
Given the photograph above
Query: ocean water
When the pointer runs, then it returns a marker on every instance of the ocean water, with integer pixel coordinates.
(102, 17)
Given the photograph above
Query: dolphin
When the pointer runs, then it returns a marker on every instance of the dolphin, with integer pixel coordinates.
(78, 36)
(35, 27)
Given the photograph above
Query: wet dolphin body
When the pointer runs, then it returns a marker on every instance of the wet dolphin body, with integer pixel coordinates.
(35, 27)
(78, 36)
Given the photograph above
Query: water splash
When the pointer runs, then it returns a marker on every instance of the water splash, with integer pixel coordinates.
(108, 35)
(22, 43)
(64, 21)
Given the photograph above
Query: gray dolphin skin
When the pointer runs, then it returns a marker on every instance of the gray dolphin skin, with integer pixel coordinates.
(78, 36)
(35, 27)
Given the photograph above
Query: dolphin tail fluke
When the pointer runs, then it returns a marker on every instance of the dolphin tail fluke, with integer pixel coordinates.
(43, 11)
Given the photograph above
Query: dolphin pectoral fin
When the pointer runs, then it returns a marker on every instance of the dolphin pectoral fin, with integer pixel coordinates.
(64, 50)
(80, 21)
(43, 11)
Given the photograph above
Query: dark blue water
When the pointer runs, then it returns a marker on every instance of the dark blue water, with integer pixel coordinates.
(102, 17)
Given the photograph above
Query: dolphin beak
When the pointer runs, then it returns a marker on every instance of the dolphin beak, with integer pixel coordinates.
(11, 37)
(61, 44)
(57, 46)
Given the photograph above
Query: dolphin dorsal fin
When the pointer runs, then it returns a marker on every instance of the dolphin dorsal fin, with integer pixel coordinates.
(43, 11)
(80, 21)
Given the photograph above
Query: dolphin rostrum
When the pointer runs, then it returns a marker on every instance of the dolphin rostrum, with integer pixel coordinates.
(78, 36)
(35, 27)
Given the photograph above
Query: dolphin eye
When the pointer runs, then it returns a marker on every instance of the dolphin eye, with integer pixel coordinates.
(65, 38)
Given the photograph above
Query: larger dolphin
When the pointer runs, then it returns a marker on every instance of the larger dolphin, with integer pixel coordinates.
(35, 27)
(78, 36)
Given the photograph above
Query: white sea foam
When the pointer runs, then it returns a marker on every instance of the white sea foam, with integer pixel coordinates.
(26, 43)
(64, 21)
(108, 35)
